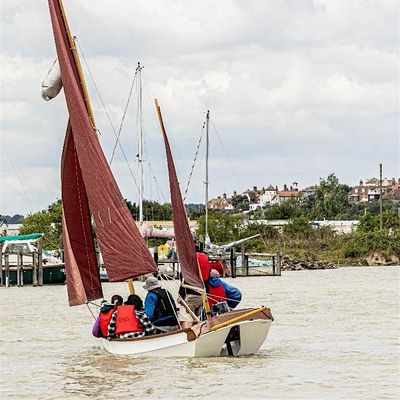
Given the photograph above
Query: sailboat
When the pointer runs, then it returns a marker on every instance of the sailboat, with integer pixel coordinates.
(93, 206)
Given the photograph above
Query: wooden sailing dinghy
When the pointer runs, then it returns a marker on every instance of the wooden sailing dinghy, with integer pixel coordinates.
(91, 194)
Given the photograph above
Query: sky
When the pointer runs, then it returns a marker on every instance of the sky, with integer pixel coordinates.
(296, 89)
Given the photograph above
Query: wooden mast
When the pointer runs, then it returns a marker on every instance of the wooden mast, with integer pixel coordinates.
(77, 63)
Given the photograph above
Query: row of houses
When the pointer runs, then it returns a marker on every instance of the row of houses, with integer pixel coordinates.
(370, 190)
(259, 198)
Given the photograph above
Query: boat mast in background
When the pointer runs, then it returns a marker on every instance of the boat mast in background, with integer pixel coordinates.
(140, 152)
(207, 238)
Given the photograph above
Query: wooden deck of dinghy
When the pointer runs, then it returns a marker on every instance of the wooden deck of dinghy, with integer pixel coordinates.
(206, 326)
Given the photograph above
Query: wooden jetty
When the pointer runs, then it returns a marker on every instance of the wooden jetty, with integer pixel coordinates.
(36, 273)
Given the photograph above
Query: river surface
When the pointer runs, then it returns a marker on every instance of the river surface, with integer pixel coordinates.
(335, 336)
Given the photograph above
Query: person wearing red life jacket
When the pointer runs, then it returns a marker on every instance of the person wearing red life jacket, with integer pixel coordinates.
(218, 290)
(100, 326)
(130, 321)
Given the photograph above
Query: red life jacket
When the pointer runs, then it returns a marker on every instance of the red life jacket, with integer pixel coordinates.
(204, 265)
(127, 320)
(105, 318)
(217, 293)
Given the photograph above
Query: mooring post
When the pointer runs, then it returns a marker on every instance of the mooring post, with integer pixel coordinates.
(18, 268)
(278, 263)
(243, 262)
(7, 268)
(274, 265)
(155, 255)
(21, 271)
(34, 268)
(233, 262)
(40, 263)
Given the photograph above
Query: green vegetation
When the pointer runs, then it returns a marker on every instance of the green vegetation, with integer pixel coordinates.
(47, 222)
(298, 239)
(152, 211)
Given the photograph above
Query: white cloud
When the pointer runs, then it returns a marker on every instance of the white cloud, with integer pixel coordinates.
(296, 90)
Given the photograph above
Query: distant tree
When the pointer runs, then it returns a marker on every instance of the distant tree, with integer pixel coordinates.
(152, 210)
(371, 223)
(15, 219)
(47, 222)
(331, 200)
(240, 203)
(298, 228)
(222, 227)
(286, 210)
(194, 211)
(267, 232)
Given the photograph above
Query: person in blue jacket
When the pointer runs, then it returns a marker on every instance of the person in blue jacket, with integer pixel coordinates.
(159, 304)
(218, 290)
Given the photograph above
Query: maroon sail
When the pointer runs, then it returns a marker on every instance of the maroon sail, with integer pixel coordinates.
(82, 271)
(124, 252)
(183, 236)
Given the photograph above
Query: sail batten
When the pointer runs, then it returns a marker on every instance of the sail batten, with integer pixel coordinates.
(183, 236)
(124, 252)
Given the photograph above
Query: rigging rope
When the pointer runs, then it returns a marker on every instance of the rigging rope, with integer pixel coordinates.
(14, 165)
(162, 277)
(226, 154)
(194, 161)
(108, 116)
(123, 117)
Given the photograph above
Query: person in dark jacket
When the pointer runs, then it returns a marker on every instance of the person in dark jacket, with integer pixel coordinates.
(159, 304)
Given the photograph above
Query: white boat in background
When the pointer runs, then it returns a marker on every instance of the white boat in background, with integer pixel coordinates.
(90, 194)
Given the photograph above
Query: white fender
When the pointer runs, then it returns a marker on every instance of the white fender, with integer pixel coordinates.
(52, 84)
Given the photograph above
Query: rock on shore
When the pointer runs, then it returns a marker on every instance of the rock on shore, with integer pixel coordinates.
(292, 264)
(379, 259)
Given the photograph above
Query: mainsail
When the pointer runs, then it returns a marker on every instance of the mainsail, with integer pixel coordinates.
(183, 236)
(88, 184)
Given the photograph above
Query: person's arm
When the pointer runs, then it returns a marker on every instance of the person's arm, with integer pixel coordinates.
(147, 324)
(150, 304)
(112, 326)
(233, 294)
(96, 328)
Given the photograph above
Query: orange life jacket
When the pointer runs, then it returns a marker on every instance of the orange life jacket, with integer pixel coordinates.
(127, 320)
(105, 318)
(204, 265)
(217, 293)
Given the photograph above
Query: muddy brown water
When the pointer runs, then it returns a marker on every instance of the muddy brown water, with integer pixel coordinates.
(335, 336)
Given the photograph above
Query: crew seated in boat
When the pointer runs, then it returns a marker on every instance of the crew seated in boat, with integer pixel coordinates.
(130, 321)
(159, 305)
(100, 327)
(193, 301)
(218, 290)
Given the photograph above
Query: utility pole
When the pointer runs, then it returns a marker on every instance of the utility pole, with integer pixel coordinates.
(380, 198)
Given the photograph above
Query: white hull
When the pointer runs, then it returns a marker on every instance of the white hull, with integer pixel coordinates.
(252, 336)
